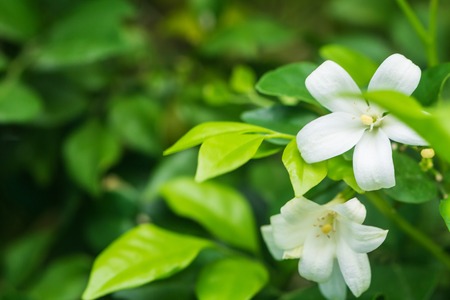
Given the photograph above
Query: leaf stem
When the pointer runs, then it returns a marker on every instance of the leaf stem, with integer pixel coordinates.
(418, 236)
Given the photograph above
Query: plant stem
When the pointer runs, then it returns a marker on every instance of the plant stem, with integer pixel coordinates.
(413, 20)
(409, 229)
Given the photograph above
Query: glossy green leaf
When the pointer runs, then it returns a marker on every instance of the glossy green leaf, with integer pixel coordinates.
(280, 118)
(412, 185)
(341, 169)
(206, 130)
(135, 121)
(431, 81)
(18, 103)
(141, 255)
(66, 276)
(360, 67)
(267, 149)
(223, 153)
(444, 209)
(232, 278)
(433, 127)
(18, 19)
(242, 79)
(85, 162)
(303, 176)
(288, 81)
(80, 38)
(220, 209)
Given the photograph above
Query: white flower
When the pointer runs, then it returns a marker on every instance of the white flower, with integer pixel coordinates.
(330, 242)
(355, 122)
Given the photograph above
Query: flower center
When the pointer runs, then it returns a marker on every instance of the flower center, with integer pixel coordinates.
(326, 223)
(371, 121)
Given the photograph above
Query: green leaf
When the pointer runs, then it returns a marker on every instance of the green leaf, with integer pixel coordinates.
(360, 67)
(280, 118)
(303, 176)
(433, 127)
(232, 278)
(206, 130)
(412, 185)
(223, 153)
(141, 255)
(220, 209)
(80, 38)
(18, 103)
(431, 83)
(341, 169)
(444, 209)
(66, 276)
(18, 19)
(135, 121)
(88, 152)
(242, 79)
(288, 81)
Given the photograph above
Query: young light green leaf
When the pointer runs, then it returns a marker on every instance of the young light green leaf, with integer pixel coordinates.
(86, 163)
(341, 169)
(412, 185)
(360, 67)
(220, 209)
(232, 278)
(431, 82)
(223, 153)
(303, 176)
(288, 81)
(18, 103)
(141, 255)
(206, 130)
(444, 209)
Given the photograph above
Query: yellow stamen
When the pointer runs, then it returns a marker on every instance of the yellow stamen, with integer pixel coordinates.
(367, 120)
(326, 228)
(427, 153)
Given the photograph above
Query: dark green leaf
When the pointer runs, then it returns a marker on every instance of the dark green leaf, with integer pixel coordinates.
(412, 185)
(232, 278)
(142, 255)
(18, 103)
(18, 19)
(223, 153)
(288, 81)
(444, 209)
(431, 83)
(220, 209)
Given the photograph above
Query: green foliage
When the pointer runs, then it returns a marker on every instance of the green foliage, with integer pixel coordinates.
(429, 90)
(18, 103)
(341, 169)
(303, 176)
(444, 209)
(18, 19)
(143, 254)
(288, 81)
(412, 185)
(231, 278)
(220, 209)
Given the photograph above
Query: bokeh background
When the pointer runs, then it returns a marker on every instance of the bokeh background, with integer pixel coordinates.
(93, 91)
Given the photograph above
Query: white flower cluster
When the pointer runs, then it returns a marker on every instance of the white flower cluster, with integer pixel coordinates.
(330, 240)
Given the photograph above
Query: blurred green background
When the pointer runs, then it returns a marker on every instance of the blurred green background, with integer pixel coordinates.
(92, 92)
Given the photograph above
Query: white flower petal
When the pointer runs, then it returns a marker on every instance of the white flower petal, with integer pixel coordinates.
(317, 259)
(334, 288)
(400, 132)
(361, 238)
(288, 235)
(299, 209)
(353, 210)
(355, 268)
(372, 161)
(329, 136)
(396, 73)
(267, 235)
(330, 83)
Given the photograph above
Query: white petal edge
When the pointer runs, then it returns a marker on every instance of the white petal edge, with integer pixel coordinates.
(372, 161)
(396, 73)
(330, 84)
(355, 269)
(334, 288)
(398, 131)
(288, 235)
(300, 208)
(329, 136)
(267, 235)
(316, 263)
(361, 238)
(353, 210)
